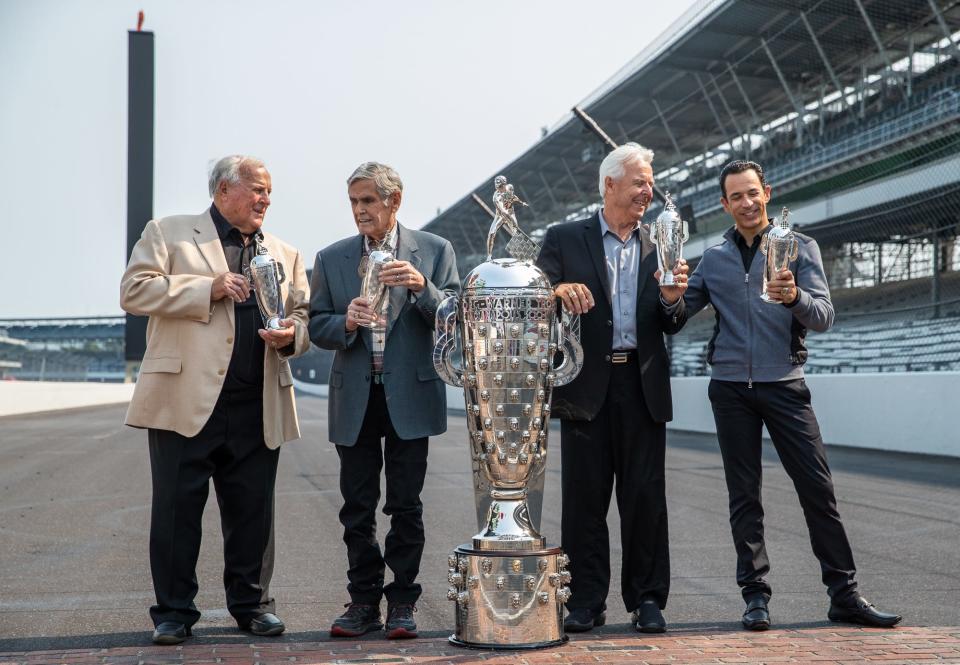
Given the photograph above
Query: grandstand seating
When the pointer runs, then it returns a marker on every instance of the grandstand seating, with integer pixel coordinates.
(886, 345)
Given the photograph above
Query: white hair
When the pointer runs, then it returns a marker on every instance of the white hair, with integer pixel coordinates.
(232, 169)
(386, 180)
(613, 164)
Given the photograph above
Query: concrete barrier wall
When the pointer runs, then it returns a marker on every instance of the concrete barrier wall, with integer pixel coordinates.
(914, 412)
(18, 397)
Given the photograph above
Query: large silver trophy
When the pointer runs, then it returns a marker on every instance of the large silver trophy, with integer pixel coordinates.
(265, 275)
(779, 247)
(498, 341)
(370, 287)
(668, 233)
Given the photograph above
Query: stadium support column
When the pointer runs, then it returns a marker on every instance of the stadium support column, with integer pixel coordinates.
(937, 267)
(592, 125)
(139, 170)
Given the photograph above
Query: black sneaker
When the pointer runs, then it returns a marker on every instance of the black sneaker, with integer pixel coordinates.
(357, 620)
(400, 623)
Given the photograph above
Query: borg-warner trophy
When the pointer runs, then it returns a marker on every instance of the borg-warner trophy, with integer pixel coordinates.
(779, 247)
(668, 233)
(498, 341)
(266, 275)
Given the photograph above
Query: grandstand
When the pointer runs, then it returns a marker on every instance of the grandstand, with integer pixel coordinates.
(62, 349)
(853, 107)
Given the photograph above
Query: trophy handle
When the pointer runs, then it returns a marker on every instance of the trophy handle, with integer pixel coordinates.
(652, 232)
(764, 243)
(684, 232)
(445, 342)
(281, 273)
(569, 340)
(794, 249)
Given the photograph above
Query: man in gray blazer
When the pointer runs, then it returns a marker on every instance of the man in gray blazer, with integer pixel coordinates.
(385, 396)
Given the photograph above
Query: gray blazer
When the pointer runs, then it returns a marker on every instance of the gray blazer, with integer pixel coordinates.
(416, 397)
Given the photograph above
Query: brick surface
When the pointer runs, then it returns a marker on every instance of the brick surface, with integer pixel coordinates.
(816, 645)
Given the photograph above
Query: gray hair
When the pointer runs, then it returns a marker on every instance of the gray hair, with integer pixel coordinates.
(613, 164)
(386, 180)
(232, 169)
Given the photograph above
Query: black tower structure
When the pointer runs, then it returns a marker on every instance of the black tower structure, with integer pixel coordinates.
(140, 105)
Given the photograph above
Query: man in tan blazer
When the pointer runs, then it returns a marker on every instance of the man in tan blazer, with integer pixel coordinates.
(215, 393)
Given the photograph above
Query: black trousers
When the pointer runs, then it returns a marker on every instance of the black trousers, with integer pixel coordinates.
(405, 466)
(230, 450)
(621, 449)
(784, 407)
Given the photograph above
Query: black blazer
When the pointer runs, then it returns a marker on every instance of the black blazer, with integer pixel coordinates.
(573, 252)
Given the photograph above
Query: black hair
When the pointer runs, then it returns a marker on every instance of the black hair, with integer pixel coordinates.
(739, 166)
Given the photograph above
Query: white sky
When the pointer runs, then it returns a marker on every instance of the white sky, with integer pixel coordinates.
(445, 91)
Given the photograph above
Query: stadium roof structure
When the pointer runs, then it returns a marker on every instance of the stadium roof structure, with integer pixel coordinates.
(724, 79)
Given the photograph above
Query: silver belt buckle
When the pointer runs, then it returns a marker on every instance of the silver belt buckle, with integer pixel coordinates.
(620, 357)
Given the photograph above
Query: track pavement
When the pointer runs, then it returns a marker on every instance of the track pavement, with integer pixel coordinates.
(74, 575)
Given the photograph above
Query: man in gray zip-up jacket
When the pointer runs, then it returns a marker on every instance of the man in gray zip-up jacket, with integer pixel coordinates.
(757, 354)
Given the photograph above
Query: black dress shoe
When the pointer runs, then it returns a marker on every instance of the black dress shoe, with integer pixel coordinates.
(648, 618)
(357, 620)
(859, 610)
(265, 625)
(756, 616)
(582, 619)
(170, 632)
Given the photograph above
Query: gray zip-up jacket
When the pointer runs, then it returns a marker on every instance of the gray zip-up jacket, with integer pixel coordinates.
(754, 340)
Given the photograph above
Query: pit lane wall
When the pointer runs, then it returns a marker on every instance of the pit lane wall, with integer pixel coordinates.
(913, 412)
(20, 397)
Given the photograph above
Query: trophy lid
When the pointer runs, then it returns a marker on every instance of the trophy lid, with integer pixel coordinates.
(506, 273)
(781, 227)
(261, 260)
(670, 213)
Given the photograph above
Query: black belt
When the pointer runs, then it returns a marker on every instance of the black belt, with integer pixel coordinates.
(621, 357)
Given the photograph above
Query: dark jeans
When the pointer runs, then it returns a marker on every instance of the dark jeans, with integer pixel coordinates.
(230, 450)
(622, 449)
(784, 407)
(405, 463)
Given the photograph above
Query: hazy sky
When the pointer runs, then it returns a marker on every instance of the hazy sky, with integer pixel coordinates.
(445, 91)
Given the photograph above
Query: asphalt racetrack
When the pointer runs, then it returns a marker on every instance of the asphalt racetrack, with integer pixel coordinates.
(75, 508)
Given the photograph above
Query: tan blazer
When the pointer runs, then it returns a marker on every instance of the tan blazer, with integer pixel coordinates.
(190, 339)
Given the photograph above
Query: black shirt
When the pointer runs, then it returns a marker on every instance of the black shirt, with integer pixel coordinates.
(748, 252)
(245, 373)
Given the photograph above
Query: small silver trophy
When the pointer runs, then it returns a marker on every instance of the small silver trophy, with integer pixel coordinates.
(266, 275)
(668, 233)
(371, 288)
(780, 246)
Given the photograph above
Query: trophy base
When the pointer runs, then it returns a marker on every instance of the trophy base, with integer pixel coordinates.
(767, 299)
(508, 600)
(667, 279)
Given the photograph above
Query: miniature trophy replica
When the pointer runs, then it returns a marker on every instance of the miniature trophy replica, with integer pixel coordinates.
(668, 233)
(498, 341)
(520, 246)
(779, 247)
(371, 288)
(265, 276)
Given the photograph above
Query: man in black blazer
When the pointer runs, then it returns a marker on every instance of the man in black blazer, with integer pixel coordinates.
(613, 415)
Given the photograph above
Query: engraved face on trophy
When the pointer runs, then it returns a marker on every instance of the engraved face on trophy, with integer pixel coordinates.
(779, 247)
(266, 275)
(668, 233)
(371, 288)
